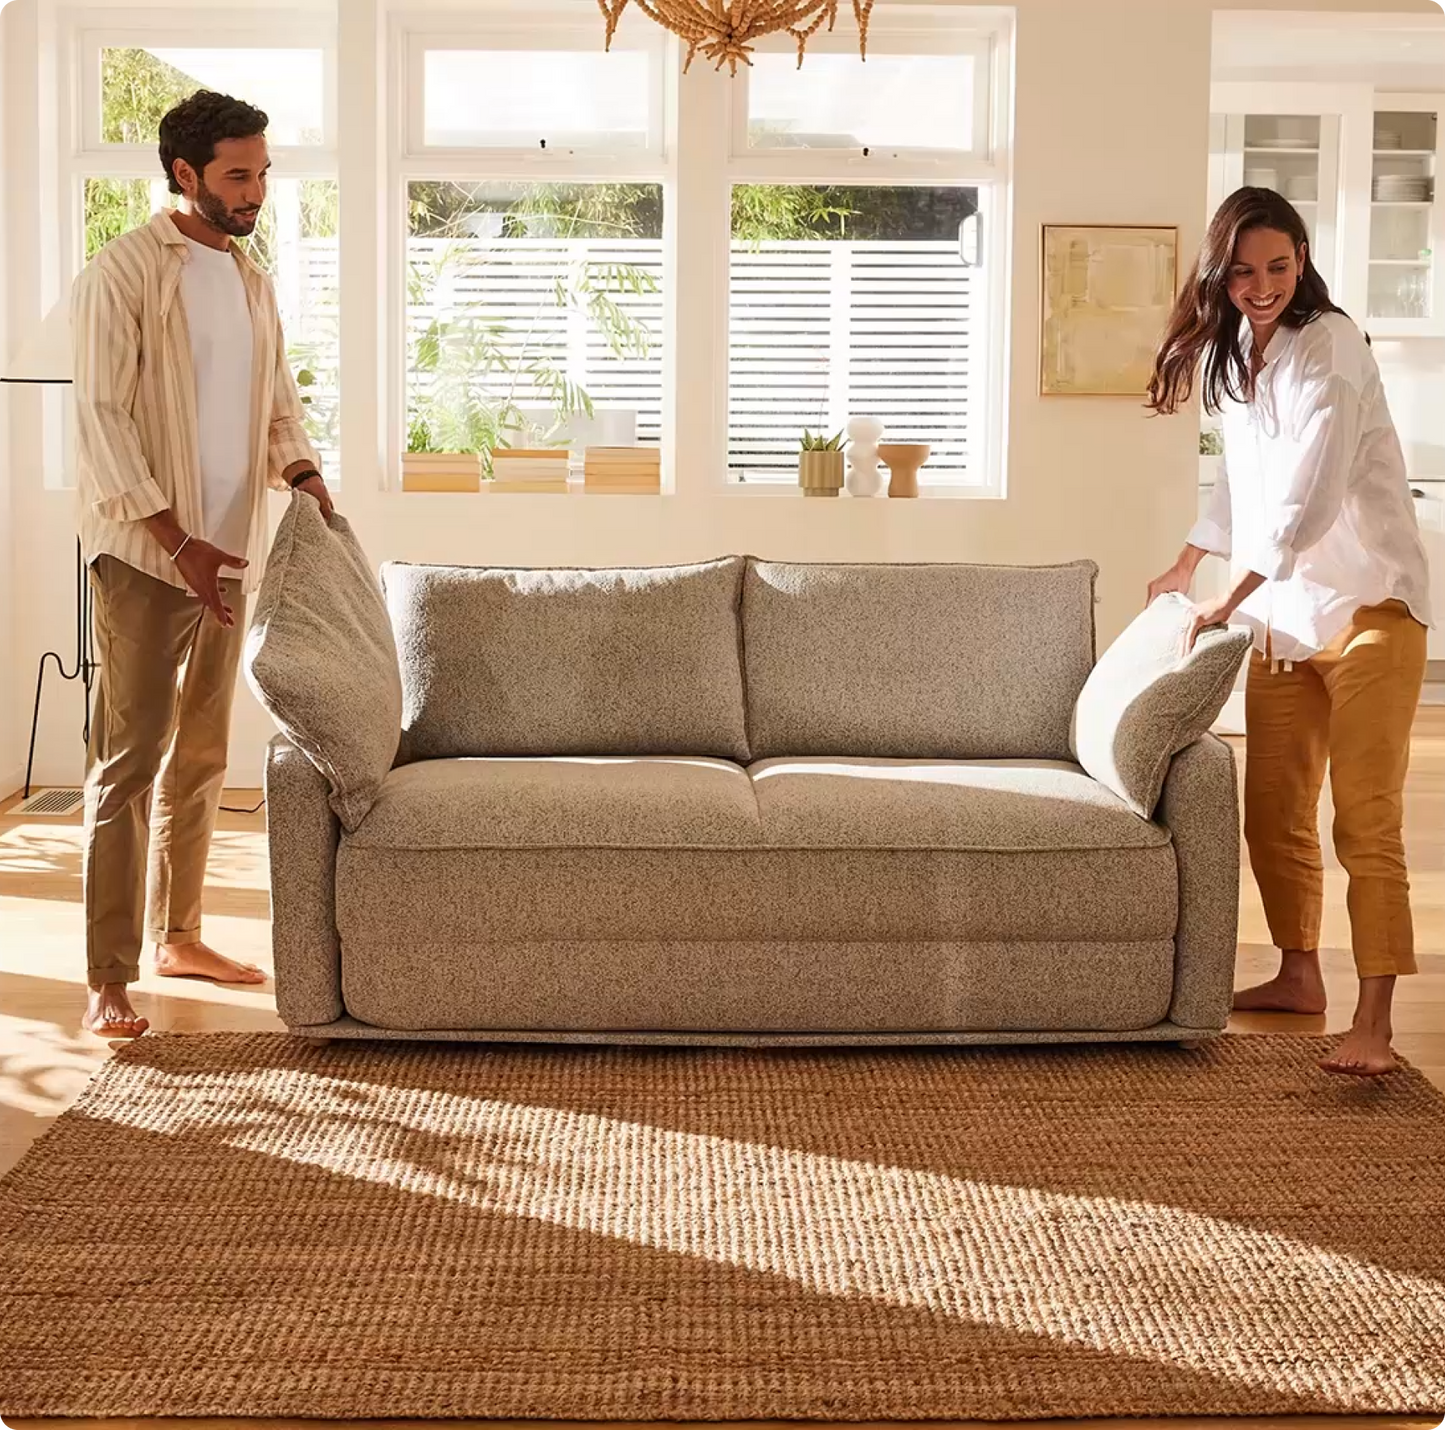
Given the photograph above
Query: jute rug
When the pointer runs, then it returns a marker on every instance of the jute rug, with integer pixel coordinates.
(245, 1226)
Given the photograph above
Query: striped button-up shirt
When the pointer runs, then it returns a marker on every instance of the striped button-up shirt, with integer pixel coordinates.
(135, 401)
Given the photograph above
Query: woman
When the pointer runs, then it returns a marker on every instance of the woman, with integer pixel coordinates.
(1330, 574)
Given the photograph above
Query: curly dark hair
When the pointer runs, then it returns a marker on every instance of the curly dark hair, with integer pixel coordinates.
(196, 125)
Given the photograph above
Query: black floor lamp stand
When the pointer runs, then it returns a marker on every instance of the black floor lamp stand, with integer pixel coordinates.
(85, 663)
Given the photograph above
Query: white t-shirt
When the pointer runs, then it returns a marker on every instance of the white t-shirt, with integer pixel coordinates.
(1313, 493)
(219, 319)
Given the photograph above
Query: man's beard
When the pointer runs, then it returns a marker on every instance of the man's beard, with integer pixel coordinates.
(212, 208)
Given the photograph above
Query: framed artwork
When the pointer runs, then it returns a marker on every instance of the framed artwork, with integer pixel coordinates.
(1107, 293)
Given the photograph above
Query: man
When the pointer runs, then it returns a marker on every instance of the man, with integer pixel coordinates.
(186, 412)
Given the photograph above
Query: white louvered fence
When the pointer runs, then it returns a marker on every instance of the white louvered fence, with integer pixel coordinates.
(818, 332)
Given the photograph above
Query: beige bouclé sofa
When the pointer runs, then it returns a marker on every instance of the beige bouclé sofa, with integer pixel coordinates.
(751, 801)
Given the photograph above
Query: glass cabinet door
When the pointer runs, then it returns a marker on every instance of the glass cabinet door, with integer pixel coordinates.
(1403, 220)
(1296, 155)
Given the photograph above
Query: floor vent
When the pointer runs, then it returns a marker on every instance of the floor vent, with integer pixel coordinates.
(52, 801)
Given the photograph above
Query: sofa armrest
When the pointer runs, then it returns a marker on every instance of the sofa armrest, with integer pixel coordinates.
(1200, 808)
(303, 835)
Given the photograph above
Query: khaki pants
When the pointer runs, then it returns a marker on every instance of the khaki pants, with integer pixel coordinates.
(1351, 706)
(156, 762)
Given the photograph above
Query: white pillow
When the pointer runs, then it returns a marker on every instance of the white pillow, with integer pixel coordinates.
(1146, 700)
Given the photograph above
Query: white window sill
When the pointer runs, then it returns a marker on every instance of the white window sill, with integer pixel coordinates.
(934, 492)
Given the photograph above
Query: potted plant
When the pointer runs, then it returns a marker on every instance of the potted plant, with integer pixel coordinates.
(820, 465)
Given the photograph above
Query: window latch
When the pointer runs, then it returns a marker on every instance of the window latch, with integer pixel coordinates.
(970, 241)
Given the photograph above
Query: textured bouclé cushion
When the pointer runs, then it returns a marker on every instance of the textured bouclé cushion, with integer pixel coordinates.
(321, 657)
(1146, 700)
(632, 661)
(928, 661)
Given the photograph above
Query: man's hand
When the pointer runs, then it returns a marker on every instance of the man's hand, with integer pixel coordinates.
(315, 487)
(1204, 615)
(200, 563)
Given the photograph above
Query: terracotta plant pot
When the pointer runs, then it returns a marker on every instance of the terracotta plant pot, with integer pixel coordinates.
(820, 474)
(904, 459)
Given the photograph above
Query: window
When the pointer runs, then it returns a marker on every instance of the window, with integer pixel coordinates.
(128, 80)
(534, 315)
(138, 85)
(866, 259)
(846, 301)
(840, 101)
(530, 99)
(532, 300)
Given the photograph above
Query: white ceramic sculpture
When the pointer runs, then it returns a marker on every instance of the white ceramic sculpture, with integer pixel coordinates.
(863, 478)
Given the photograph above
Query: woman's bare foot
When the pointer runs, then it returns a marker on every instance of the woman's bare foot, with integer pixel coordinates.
(108, 1014)
(1365, 1051)
(196, 960)
(1298, 987)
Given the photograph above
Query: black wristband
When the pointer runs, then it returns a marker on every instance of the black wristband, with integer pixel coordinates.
(303, 477)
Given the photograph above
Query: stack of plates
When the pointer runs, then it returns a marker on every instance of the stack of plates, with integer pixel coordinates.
(1388, 139)
(1402, 188)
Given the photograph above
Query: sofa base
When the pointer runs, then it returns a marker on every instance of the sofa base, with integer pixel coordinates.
(1165, 1032)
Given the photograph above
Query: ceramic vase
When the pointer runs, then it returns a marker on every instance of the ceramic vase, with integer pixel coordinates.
(864, 479)
(904, 459)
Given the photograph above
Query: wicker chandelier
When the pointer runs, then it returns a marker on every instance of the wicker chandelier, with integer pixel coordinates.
(725, 30)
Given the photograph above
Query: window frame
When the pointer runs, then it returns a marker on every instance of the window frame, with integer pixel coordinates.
(972, 30)
(410, 35)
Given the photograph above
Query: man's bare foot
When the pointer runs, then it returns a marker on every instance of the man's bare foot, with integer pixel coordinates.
(196, 960)
(1298, 987)
(108, 1014)
(1365, 1052)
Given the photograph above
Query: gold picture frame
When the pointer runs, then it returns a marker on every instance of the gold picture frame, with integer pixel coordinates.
(1105, 297)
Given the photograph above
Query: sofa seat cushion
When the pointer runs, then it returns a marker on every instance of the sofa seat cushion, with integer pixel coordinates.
(1007, 805)
(478, 852)
(573, 802)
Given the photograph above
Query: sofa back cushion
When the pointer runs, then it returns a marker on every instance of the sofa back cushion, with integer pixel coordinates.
(916, 661)
(320, 656)
(634, 661)
(1147, 699)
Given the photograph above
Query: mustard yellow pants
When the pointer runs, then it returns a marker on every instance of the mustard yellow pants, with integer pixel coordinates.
(1350, 707)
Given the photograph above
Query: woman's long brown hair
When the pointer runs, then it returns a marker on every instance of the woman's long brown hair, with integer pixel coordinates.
(1205, 325)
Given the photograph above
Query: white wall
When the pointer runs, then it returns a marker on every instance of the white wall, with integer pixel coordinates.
(1112, 102)
(12, 682)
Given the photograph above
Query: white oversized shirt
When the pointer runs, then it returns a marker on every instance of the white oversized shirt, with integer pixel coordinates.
(1312, 492)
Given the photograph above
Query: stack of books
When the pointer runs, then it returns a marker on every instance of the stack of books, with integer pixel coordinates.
(441, 472)
(623, 469)
(529, 469)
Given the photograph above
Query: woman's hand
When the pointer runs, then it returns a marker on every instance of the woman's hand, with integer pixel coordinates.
(1203, 616)
(1179, 576)
(1176, 578)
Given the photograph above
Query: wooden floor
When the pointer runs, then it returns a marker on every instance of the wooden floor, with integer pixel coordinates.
(45, 1058)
